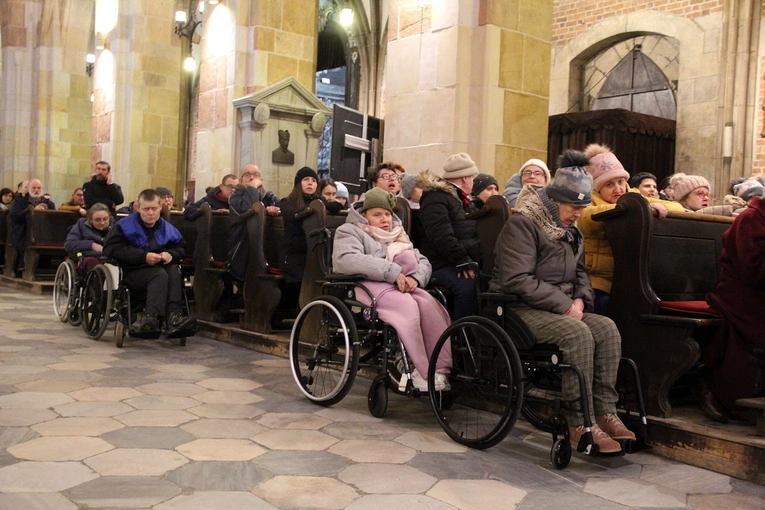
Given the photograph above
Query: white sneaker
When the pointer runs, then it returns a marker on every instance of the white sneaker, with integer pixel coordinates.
(417, 381)
(442, 383)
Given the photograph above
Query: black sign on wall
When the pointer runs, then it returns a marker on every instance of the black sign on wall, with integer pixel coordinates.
(356, 146)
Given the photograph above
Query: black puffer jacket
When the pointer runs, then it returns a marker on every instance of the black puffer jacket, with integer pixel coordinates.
(97, 191)
(445, 236)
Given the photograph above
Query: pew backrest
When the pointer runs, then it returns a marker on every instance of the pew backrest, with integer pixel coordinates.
(490, 220)
(212, 237)
(48, 229)
(188, 230)
(318, 258)
(4, 215)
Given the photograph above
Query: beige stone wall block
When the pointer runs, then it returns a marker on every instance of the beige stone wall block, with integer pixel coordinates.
(221, 108)
(103, 127)
(260, 69)
(208, 75)
(206, 110)
(72, 136)
(685, 92)
(264, 38)
(167, 161)
(80, 157)
(280, 67)
(288, 44)
(698, 67)
(267, 13)
(485, 55)
(448, 51)
(705, 89)
(169, 132)
(222, 148)
(307, 74)
(511, 55)
(157, 31)
(535, 19)
(438, 114)
(502, 13)
(393, 16)
(525, 124)
(14, 36)
(154, 80)
(507, 161)
(310, 48)
(536, 66)
(404, 63)
(409, 125)
(434, 156)
(414, 18)
(712, 40)
(444, 14)
(221, 66)
(164, 102)
(78, 123)
(693, 116)
(299, 17)
(428, 61)
(158, 65)
(152, 129)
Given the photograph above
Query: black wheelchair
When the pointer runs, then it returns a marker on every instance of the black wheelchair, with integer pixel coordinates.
(67, 291)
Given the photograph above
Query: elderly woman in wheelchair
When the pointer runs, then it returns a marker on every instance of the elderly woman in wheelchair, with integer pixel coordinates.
(540, 259)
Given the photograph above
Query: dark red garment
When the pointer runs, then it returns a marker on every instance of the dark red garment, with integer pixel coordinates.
(740, 299)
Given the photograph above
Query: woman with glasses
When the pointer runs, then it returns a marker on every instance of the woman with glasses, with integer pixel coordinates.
(386, 176)
(534, 171)
(87, 236)
(693, 193)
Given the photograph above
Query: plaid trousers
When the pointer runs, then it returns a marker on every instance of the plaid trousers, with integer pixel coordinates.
(593, 344)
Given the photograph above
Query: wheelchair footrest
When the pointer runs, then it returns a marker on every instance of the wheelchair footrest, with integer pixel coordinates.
(145, 335)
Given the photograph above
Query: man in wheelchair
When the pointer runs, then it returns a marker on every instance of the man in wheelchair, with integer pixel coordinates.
(540, 259)
(148, 249)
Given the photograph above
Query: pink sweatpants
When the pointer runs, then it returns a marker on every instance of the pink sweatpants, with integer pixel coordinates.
(419, 320)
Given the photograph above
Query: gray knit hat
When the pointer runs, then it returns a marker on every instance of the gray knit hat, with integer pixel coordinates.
(378, 197)
(748, 189)
(342, 190)
(481, 182)
(164, 192)
(408, 182)
(459, 165)
(572, 183)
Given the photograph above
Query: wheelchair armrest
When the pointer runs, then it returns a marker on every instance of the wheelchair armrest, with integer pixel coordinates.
(498, 296)
(346, 277)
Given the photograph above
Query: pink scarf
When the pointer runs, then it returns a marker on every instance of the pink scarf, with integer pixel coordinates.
(396, 240)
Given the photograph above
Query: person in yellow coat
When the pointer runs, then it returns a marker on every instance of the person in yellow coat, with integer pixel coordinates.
(609, 180)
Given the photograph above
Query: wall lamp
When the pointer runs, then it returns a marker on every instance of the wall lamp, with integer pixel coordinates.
(90, 61)
(187, 19)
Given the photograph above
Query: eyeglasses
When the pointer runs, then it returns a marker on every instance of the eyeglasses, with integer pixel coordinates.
(703, 194)
(388, 177)
(532, 173)
(229, 186)
(250, 175)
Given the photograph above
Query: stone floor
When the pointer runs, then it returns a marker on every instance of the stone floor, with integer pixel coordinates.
(210, 425)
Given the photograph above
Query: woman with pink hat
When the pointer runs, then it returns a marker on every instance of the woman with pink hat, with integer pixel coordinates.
(693, 192)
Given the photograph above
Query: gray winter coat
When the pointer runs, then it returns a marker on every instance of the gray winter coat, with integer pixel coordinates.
(355, 252)
(545, 274)
(513, 188)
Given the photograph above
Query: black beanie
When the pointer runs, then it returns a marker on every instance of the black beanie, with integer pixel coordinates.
(305, 172)
(572, 183)
(483, 181)
(640, 177)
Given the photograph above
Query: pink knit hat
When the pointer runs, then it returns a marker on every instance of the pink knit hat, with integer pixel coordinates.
(684, 184)
(604, 167)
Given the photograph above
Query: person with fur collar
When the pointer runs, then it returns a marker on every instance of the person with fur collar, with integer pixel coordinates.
(609, 183)
(540, 259)
(446, 237)
(534, 171)
(373, 243)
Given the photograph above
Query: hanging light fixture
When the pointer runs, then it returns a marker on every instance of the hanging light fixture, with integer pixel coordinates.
(190, 64)
(186, 23)
(346, 17)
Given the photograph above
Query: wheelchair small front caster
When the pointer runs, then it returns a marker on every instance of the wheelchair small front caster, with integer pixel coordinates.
(119, 334)
(377, 399)
(560, 453)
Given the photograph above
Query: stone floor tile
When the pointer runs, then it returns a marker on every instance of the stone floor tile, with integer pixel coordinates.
(233, 411)
(79, 426)
(24, 417)
(430, 442)
(688, 479)
(477, 494)
(89, 358)
(28, 359)
(44, 476)
(36, 501)
(283, 420)
(223, 429)
(295, 440)
(174, 377)
(6, 459)
(403, 501)
(21, 370)
(97, 349)
(94, 408)
(635, 493)
(387, 479)
(10, 436)
(87, 366)
(104, 394)
(302, 463)
(71, 375)
(725, 502)
(217, 501)
(219, 476)
(181, 368)
(155, 418)
(272, 362)
(229, 384)
(161, 402)
(309, 422)
(228, 397)
(123, 492)
(356, 430)
(130, 373)
(15, 348)
(33, 400)
(342, 414)
(165, 438)
(136, 462)
(176, 389)
(387, 452)
(220, 449)
(305, 492)
(52, 386)
(60, 448)
(561, 500)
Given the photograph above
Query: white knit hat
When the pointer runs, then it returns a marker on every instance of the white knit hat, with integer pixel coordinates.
(459, 165)
(536, 162)
(684, 184)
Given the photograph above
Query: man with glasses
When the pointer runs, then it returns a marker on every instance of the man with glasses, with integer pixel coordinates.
(217, 197)
(534, 171)
(386, 177)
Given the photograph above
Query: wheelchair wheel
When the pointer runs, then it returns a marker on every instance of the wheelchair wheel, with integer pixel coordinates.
(377, 399)
(486, 383)
(119, 334)
(96, 305)
(75, 319)
(560, 454)
(64, 289)
(324, 350)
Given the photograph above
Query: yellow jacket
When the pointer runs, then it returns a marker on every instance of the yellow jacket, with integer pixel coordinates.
(599, 259)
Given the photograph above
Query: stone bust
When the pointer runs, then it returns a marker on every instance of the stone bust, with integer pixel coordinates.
(282, 155)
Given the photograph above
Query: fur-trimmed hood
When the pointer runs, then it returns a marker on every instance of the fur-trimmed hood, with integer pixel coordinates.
(431, 182)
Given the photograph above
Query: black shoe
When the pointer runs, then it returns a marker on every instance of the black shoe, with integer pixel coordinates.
(146, 327)
(179, 325)
(709, 404)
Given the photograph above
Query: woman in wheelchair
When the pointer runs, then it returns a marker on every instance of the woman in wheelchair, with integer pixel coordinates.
(372, 243)
(87, 236)
(148, 249)
(540, 259)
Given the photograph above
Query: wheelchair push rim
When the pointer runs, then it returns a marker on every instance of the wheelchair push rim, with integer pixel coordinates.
(64, 289)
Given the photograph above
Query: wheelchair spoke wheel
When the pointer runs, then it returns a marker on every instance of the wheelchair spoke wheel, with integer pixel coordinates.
(64, 289)
(485, 379)
(324, 350)
(96, 304)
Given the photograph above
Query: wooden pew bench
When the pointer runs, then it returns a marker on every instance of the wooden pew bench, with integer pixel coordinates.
(662, 271)
(210, 254)
(317, 265)
(188, 230)
(46, 233)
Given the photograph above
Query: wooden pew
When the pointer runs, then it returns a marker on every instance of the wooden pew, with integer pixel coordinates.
(662, 272)
(46, 233)
(188, 230)
(490, 220)
(317, 266)
(210, 253)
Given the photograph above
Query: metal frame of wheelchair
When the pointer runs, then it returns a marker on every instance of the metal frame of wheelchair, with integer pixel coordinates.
(67, 286)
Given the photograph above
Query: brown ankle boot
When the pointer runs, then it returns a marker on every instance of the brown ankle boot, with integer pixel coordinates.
(613, 426)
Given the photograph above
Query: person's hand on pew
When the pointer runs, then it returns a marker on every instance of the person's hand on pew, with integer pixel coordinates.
(272, 210)
(41, 207)
(83, 211)
(220, 210)
(662, 210)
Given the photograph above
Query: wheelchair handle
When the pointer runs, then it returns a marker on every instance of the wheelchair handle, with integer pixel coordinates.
(319, 232)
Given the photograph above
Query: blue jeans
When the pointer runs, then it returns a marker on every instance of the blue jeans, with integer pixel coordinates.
(462, 289)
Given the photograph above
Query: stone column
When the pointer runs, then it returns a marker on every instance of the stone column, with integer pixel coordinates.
(467, 75)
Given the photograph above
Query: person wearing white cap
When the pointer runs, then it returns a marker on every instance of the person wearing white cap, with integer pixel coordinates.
(447, 238)
(534, 171)
(342, 195)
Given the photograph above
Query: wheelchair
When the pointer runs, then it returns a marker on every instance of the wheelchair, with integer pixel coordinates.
(67, 292)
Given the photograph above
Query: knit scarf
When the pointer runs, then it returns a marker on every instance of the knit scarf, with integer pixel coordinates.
(396, 240)
(535, 204)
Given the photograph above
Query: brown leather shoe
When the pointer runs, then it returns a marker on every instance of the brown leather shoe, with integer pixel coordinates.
(712, 407)
(613, 426)
(600, 438)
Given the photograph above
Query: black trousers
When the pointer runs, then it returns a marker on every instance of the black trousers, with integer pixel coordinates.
(163, 285)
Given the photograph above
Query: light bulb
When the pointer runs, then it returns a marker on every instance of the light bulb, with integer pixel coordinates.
(180, 16)
(346, 17)
(90, 58)
(189, 64)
